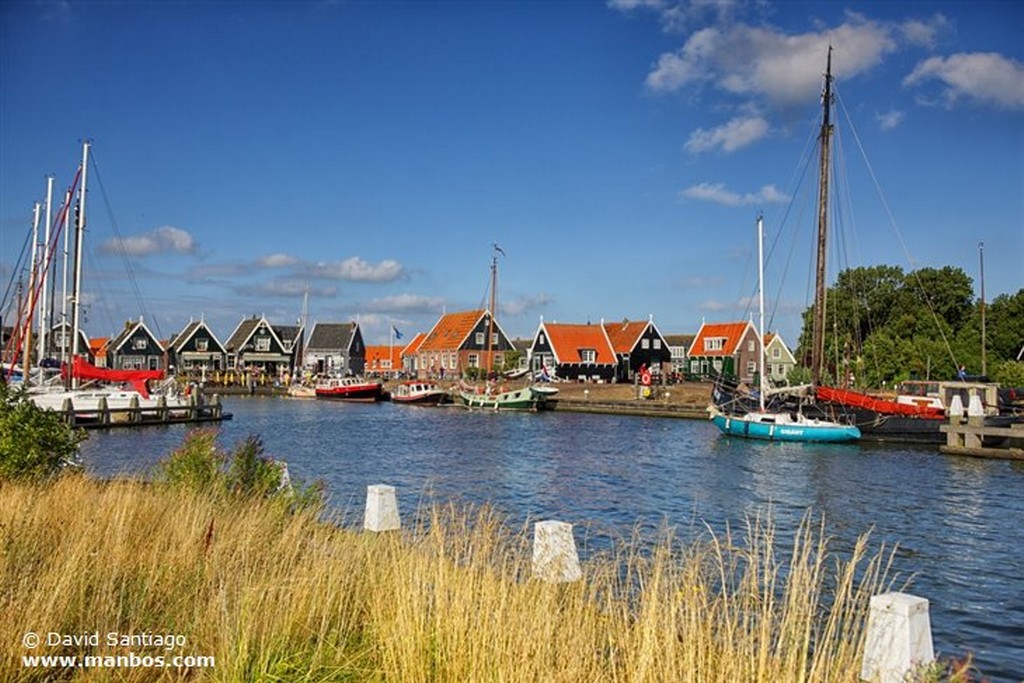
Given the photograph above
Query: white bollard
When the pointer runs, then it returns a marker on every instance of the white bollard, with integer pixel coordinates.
(899, 637)
(956, 406)
(381, 509)
(554, 553)
(974, 407)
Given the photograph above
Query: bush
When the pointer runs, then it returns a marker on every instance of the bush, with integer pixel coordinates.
(34, 443)
(199, 465)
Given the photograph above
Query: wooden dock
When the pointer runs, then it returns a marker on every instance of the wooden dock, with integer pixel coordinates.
(970, 436)
(134, 416)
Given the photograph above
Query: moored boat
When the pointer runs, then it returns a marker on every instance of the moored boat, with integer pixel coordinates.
(419, 392)
(528, 398)
(349, 389)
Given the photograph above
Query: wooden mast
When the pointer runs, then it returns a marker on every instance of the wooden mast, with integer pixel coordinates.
(818, 334)
(488, 356)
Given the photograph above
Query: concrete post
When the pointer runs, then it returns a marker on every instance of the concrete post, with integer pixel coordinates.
(381, 509)
(554, 553)
(899, 637)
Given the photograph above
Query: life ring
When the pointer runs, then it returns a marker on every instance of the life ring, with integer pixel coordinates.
(645, 378)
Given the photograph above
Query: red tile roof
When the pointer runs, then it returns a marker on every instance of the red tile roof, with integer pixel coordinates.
(376, 355)
(451, 330)
(414, 345)
(731, 333)
(567, 339)
(624, 335)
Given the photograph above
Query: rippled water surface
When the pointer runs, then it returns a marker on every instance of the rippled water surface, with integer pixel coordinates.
(959, 522)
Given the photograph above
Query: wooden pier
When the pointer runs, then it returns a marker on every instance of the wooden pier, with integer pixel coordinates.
(970, 436)
(102, 417)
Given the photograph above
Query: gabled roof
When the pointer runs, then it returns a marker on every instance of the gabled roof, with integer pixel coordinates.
(730, 333)
(331, 335)
(98, 346)
(376, 354)
(685, 340)
(180, 339)
(130, 328)
(770, 337)
(451, 330)
(568, 339)
(625, 335)
(248, 326)
(414, 345)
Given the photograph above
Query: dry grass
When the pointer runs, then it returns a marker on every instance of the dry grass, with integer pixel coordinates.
(288, 597)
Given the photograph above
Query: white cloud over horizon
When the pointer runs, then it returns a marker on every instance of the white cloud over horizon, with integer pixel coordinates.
(981, 77)
(729, 137)
(163, 240)
(355, 269)
(719, 194)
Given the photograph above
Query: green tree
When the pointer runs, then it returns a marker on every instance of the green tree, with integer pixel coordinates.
(34, 443)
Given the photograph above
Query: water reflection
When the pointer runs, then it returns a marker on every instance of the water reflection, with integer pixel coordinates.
(957, 521)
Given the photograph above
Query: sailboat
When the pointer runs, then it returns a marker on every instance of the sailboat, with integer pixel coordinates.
(775, 425)
(132, 391)
(913, 416)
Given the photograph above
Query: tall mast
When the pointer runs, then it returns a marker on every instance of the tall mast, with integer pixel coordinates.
(818, 334)
(44, 308)
(489, 360)
(981, 258)
(33, 282)
(76, 288)
(760, 303)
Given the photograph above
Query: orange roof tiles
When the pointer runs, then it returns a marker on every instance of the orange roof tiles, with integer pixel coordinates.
(625, 334)
(414, 345)
(730, 333)
(568, 339)
(451, 330)
(377, 356)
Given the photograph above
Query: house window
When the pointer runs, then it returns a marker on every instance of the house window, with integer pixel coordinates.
(645, 343)
(202, 344)
(695, 367)
(588, 355)
(776, 352)
(453, 360)
(139, 343)
(717, 364)
(751, 368)
(480, 339)
(657, 344)
(474, 360)
(494, 339)
(262, 343)
(714, 343)
(750, 346)
(540, 338)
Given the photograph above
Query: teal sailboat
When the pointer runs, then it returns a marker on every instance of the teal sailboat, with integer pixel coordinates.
(772, 425)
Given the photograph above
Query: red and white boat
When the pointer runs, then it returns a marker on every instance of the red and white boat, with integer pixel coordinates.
(419, 392)
(349, 389)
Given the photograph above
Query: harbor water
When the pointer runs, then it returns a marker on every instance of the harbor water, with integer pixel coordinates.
(958, 522)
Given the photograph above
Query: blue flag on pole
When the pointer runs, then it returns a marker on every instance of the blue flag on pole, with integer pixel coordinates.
(398, 335)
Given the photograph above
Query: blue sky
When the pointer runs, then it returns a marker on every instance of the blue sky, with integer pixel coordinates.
(618, 153)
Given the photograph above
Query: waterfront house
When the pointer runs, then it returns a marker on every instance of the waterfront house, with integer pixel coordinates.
(573, 351)
(458, 344)
(726, 348)
(335, 349)
(262, 349)
(195, 350)
(637, 344)
(60, 343)
(679, 348)
(409, 355)
(383, 361)
(135, 348)
(779, 360)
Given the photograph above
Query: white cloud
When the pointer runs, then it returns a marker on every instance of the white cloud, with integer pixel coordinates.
(416, 303)
(889, 119)
(924, 33)
(277, 261)
(765, 63)
(286, 288)
(717, 193)
(984, 77)
(525, 304)
(356, 269)
(737, 133)
(166, 239)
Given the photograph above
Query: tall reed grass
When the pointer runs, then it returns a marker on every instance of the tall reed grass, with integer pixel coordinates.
(279, 595)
